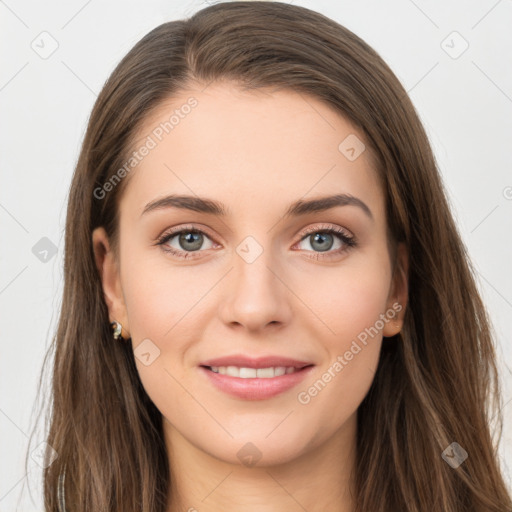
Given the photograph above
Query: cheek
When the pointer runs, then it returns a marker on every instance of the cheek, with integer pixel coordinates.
(159, 297)
(348, 300)
(351, 305)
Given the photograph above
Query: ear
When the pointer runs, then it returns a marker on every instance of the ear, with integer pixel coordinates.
(398, 295)
(108, 269)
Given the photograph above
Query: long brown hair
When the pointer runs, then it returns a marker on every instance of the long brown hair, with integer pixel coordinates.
(437, 381)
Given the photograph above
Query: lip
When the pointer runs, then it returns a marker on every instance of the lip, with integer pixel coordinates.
(256, 388)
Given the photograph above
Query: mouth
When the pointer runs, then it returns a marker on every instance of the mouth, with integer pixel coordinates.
(253, 373)
(248, 383)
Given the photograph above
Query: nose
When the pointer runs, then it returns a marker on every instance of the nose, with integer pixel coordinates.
(255, 294)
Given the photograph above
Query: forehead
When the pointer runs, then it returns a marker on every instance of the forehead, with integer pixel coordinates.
(248, 149)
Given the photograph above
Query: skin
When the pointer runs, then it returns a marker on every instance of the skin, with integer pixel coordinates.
(256, 152)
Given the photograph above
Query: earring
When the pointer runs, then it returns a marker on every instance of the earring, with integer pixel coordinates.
(117, 329)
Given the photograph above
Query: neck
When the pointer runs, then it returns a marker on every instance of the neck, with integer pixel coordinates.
(316, 480)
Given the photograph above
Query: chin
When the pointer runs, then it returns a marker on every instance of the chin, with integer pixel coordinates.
(258, 449)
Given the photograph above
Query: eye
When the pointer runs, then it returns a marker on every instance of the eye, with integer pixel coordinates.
(189, 240)
(323, 238)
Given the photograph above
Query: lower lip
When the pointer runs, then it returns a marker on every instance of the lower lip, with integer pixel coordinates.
(256, 388)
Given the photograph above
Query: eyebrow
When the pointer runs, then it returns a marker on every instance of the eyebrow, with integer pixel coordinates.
(296, 209)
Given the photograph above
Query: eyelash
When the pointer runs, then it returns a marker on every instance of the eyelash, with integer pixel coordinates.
(349, 241)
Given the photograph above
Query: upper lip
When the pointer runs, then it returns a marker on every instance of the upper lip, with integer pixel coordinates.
(243, 361)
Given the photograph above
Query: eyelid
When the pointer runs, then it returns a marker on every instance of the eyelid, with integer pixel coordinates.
(185, 227)
(201, 228)
(326, 227)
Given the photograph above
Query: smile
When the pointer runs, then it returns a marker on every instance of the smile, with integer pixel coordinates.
(251, 373)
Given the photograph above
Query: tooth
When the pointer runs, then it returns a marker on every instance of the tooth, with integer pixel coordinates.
(247, 373)
(265, 372)
(232, 371)
(251, 373)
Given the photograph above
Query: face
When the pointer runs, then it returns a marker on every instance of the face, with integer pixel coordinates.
(314, 286)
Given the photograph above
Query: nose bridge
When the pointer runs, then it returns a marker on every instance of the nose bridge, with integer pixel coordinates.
(253, 262)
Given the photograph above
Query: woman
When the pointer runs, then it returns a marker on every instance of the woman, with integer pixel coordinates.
(267, 304)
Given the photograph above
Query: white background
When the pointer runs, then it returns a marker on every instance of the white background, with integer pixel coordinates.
(465, 104)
